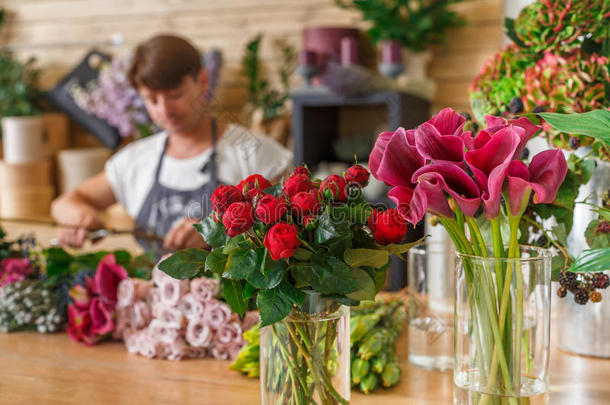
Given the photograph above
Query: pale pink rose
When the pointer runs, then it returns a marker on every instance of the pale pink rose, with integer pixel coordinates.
(172, 317)
(216, 314)
(176, 350)
(123, 323)
(205, 289)
(143, 288)
(140, 315)
(198, 333)
(172, 291)
(146, 345)
(154, 297)
(131, 340)
(227, 333)
(250, 319)
(190, 306)
(226, 352)
(126, 293)
(161, 332)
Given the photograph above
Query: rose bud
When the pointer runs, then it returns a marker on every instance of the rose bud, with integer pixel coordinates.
(253, 195)
(388, 227)
(281, 240)
(224, 196)
(357, 174)
(333, 187)
(238, 218)
(270, 209)
(254, 181)
(305, 203)
(309, 222)
(301, 170)
(297, 183)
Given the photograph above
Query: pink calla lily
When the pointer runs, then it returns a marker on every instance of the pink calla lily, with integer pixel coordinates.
(523, 127)
(544, 176)
(101, 317)
(453, 180)
(437, 147)
(410, 203)
(489, 165)
(107, 277)
(448, 122)
(395, 158)
(80, 295)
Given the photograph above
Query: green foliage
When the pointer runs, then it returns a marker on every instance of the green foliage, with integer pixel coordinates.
(595, 124)
(214, 233)
(18, 86)
(185, 264)
(262, 95)
(415, 24)
(234, 295)
(275, 304)
(592, 260)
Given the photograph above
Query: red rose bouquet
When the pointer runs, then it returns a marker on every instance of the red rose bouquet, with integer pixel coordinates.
(278, 244)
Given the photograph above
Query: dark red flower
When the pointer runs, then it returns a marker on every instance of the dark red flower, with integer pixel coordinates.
(281, 240)
(333, 187)
(305, 203)
(297, 183)
(301, 170)
(254, 181)
(238, 218)
(224, 196)
(270, 209)
(387, 226)
(309, 222)
(357, 174)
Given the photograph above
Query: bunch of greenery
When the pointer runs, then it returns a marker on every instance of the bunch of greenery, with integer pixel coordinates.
(415, 24)
(18, 86)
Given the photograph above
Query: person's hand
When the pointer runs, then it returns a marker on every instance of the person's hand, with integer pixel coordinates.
(184, 236)
(83, 218)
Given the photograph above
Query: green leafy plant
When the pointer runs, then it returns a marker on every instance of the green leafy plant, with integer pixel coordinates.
(415, 24)
(262, 95)
(18, 86)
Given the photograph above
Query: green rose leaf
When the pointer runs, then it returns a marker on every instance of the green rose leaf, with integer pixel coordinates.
(592, 260)
(242, 263)
(234, 295)
(302, 274)
(275, 304)
(331, 228)
(185, 264)
(214, 233)
(366, 286)
(399, 249)
(57, 259)
(366, 257)
(249, 290)
(216, 261)
(302, 254)
(271, 278)
(237, 242)
(332, 276)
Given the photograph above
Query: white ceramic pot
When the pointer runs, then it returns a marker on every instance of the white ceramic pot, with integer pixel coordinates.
(22, 139)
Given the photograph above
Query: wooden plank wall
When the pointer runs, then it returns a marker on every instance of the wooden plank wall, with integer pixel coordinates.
(228, 25)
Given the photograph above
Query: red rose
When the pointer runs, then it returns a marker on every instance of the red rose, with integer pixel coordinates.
(301, 170)
(282, 240)
(309, 222)
(224, 196)
(238, 218)
(334, 187)
(357, 174)
(305, 203)
(253, 195)
(387, 226)
(297, 183)
(254, 181)
(270, 209)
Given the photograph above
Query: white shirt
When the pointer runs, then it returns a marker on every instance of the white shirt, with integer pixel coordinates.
(240, 153)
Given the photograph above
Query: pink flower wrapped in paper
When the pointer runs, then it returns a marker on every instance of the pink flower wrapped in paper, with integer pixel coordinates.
(199, 333)
(216, 314)
(191, 307)
(204, 289)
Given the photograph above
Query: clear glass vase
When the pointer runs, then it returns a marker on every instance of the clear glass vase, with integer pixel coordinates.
(502, 326)
(305, 358)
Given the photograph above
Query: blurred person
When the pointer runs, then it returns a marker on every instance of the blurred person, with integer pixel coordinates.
(165, 181)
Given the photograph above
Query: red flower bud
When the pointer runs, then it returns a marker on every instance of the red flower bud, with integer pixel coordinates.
(301, 170)
(297, 183)
(224, 196)
(305, 203)
(270, 209)
(333, 187)
(357, 174)
(254, 181)
(281, 240)
(309, 222)
(387, 226)
(238, 218)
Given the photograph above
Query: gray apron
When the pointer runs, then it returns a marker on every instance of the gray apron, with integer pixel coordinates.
(165, 207)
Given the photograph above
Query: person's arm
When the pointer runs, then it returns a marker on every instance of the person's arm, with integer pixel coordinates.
(80, 209)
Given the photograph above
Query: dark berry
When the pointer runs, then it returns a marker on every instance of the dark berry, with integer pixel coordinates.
(516, 106)
(595, 296)
(603, 227)
(568, 280)
(574, 143)
(581, 296)
(466, 115)
(561, 292)
(525, 154)
(542, 240)
(538, 109)
(602, 281)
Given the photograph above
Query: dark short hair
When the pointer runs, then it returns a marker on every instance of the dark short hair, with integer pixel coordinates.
(162, 62)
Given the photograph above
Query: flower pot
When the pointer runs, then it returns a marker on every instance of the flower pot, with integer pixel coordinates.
(502, 327)
(585, 329)
(22, 139)
(76, 165)
(305, 358)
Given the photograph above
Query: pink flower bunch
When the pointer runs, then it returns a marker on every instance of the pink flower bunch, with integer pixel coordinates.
(14, 269)
(91, 315)
(176, 319)
(438, 167)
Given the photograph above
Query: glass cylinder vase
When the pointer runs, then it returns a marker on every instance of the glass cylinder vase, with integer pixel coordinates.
(305, 358)
(502, 327)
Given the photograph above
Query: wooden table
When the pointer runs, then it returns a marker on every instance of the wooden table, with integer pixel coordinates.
(52, 369)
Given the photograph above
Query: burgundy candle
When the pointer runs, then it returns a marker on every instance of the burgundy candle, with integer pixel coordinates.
(307, 58)
(349, 51)
(391, 52)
